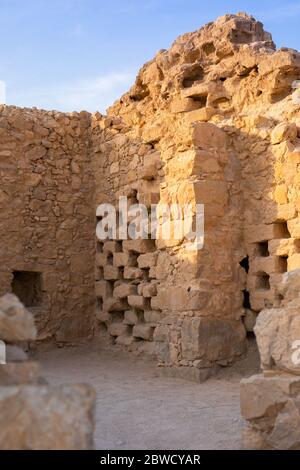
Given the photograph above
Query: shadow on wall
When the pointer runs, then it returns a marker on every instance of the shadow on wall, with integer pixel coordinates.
(194, 308)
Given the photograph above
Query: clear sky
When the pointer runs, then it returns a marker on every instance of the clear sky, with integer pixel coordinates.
(83, 54)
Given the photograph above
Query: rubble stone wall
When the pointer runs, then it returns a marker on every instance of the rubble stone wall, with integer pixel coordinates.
(212, 120)
(47, 218)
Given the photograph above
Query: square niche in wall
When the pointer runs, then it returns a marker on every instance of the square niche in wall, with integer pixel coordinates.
(27, 286)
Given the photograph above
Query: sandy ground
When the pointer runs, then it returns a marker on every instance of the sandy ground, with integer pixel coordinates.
(138, 409)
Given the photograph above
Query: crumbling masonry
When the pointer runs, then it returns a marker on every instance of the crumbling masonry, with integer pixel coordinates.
(213, 120)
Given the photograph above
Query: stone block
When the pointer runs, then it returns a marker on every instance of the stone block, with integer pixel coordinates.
(162, 334)
(214, 339)
(115, 305)
(103, 289)
(202, 114)
(148, 172)
(284, 131)
(281, 247)
(280, 194)
(16, 323)
(211, 192)
(294, 227)
(261, 233)
(124, 290)
(149, 290)
(155, 303)
(143, 331)
(289, 287)
(133, 273)
(261, 298)
(125, 340)
(111, 273)
(271, 407)
(207, 135)
(259, 395)
(101, 259)
(121, 259)
(46, 418)
(148, 260)
(177, 298)
(277, 331)
(139, 246)
(118, 329)
(130, 317)
(183, 105)
(293, 262)
(152, 316)
(267, 264)
(137, 301)
(152, 273)
(112, 246)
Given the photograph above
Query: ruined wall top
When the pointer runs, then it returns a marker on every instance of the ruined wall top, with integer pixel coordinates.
(226, 66)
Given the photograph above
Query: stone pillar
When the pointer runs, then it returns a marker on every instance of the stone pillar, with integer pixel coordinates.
(270, 402)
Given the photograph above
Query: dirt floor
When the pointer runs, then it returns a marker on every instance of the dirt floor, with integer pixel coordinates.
(138, 409)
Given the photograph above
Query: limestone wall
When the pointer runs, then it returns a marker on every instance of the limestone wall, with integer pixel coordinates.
(212, 120)
(47, 218)
(126, 280)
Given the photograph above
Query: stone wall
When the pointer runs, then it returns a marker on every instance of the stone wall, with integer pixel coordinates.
(33, 414)
(47, 218)
(126, 280)
(212, 120)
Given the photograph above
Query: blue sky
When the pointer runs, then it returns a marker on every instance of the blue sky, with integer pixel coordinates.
(83, 54)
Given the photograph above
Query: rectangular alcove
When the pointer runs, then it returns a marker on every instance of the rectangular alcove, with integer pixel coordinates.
(263, 281)
(27, 286)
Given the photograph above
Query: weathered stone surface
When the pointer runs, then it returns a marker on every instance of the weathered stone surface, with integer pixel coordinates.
(138, 246)
(137, 301)
(46, 418)
(16, 323)
(133, 273)
(284, 131)
(130, 317)
(207, 135)
(143, 331)
(276, 332)
(182, 298)
(260, 394)
(289, 288)
(271, 407)
(124, 290)
(150, 290)
(19, 373)
(147, 260)
(47, 216)
(214, 339)
(249, 320)
(118, 329)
